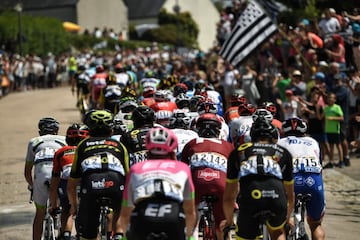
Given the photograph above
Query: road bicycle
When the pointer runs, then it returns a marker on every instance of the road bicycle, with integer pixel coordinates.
(299, 232)
(52, 222)
(82, 103)
(207, 228)
(105, 210)
(262, 217)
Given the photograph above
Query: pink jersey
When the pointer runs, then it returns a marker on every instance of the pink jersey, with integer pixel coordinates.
(169, 178)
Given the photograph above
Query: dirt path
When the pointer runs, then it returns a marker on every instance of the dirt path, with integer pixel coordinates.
(20, 113)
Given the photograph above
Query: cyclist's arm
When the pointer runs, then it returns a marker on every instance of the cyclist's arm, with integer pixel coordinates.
(28, 173)
(53, 195)
(189, 210)
(71, 191)
(124, 219)
(232, 187)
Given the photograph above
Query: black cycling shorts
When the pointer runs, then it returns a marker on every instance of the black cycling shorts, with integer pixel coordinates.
(157, 217)
(258, 195)
(93, 186)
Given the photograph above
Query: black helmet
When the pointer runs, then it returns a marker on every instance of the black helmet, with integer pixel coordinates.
(208, 125)
(119, 127)
(75, 133)
(143, 115)
(100, 122)
(180, 119)
(48, 125)
(294, 127)
(262, 128)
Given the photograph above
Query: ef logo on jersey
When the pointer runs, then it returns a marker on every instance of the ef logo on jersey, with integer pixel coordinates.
(157, 210)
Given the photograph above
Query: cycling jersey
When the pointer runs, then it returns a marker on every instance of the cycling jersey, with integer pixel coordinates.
(40, 153)
(98, 82)
(207, 158)
(122, 79)
(184, 136)
(156, 189)
(240, 130)
(231, 114)
(134, 141)
(101, 163)
(111, 95)
(307, 170)
(262, 169)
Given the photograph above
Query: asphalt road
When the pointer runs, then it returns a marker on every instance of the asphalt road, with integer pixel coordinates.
(20, 113)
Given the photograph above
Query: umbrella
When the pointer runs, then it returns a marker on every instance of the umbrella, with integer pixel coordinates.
(71, 27)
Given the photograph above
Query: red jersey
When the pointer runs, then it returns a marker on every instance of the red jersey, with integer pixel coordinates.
(148, 101)
(62, 161)
(207, 158)
(231, 113)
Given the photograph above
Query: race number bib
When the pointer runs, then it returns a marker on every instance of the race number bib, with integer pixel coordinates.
(306, 164)
(269, 166)
(159, 187)
(209, 159)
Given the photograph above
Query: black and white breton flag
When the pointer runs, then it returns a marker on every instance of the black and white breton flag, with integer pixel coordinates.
(253, 27)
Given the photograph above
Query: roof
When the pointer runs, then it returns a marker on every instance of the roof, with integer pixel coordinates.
(143, 9)
(37, 4)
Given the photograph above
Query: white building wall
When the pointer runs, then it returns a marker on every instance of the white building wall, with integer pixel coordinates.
(103, 13)
(205, 15)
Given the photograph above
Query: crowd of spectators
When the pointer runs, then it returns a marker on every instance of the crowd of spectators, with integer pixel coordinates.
(297, 65)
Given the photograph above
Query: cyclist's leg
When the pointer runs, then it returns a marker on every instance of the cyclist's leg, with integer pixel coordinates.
(66, 218)
(88, 220)
(315, 208)
(40, 196)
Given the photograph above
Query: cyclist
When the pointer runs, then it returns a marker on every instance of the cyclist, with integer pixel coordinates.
(97, 83)
(271, 107)
(307, 171)
(240, 127)
(260, 173)
(159, 193)
(180, 125)
(40, 154)
(163, 107)
(110, 95)
(82, 84)
(126, 106)
(232, 112)
(62, 162)
(100, 166)
(143, 118)
(207, 157)
(122, 78)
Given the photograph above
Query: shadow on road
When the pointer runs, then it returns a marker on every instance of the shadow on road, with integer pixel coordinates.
(16, 218)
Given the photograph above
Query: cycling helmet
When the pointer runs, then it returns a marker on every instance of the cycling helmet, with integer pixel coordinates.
(180, 119)
(294, 127)
(261, 129)
(99, 69)
(262, 114)
(81, 68)
(101, 120)
(149, 74)
(128, 92)
(246, 109)
(206, 106)
(75, 133)
(119, 127)
(180, 88)
(161, 95)
(48, 125)
(237, 99)
(182, 101)
(200, 85)
(194, 101)
(127, 104)
(161, 141)
(271, 107)
(208, 125)
(111, 79)
(143, 115)
(119, 68)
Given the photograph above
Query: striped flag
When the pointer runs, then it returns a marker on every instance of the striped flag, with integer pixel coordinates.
(252, 29)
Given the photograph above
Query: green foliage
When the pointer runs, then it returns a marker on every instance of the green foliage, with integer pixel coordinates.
(168, 32)
(40, 34)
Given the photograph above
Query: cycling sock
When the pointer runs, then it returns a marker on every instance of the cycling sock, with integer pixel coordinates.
(67, 235)
(118, 236)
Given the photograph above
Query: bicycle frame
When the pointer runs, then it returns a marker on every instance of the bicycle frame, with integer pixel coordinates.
(103, 218)
(299, 231)
(207, 228)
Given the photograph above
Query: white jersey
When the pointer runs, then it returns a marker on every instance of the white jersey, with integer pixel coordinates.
(240, 129)
(305, 153)
(122, 79)
(184, 136)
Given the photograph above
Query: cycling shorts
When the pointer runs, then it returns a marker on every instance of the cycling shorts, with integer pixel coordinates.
(311, 183)
(96, 92)
(42, 176)
(93, 186)
(207, 186)
(83, 87)
(62, 192)
(256, 195)
(157, 216)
